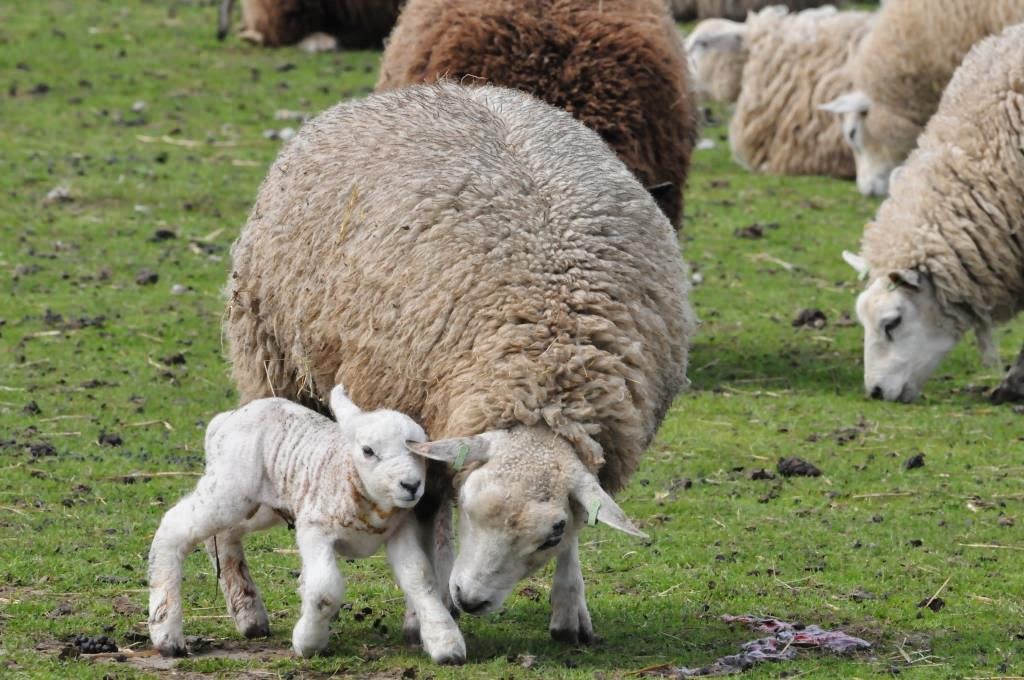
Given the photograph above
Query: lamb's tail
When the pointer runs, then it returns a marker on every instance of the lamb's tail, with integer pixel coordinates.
(224, 18)
(215, 424)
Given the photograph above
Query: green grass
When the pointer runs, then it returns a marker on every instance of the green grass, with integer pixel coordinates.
(71, 530)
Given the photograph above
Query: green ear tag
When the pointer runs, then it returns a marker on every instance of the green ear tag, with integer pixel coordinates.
(460, 458)
(592, 513)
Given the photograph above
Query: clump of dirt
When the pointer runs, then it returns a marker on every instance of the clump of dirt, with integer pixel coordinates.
(146, 277)
(810, 318)
(915, 461)
(760, 473)
(94, 644)
(109, 439)
(797, 467)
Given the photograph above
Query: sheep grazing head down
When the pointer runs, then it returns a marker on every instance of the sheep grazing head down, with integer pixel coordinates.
(906, 334)
(717, 51)
(880, 139)
(390, 473)
(523, 502)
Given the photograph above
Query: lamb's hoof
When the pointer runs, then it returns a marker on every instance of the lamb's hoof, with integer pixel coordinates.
(260, 629)
(174, 651)
(451, 660)
(574, 636)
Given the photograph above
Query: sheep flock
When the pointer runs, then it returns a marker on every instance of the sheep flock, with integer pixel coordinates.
(459, 310)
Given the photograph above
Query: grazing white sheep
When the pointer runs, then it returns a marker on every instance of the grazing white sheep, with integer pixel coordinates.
(341, 485)
(899, 72)
(717, 51)
(946, 253)
(795, 63)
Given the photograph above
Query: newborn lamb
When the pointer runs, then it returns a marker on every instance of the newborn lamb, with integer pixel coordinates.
(341, 485)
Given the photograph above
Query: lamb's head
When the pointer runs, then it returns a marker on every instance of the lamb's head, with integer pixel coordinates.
(717, 52)
(392, 475)
(906, 333)
(880, 138)
(523, 502)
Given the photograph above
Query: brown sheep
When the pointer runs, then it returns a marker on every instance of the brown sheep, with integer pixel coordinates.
(333, 23)
(618, 66)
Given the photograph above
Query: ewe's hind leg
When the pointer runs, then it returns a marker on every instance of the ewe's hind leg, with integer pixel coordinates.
(240, 592)
(321, 587)
(195, 518)
(570, 619)
(1012, 387)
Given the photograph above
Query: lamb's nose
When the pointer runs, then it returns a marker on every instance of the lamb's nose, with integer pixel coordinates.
(876, 392)
(411, 487)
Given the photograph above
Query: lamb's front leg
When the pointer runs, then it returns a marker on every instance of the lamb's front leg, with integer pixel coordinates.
(321, 587)
(570, 620)
(415, 575)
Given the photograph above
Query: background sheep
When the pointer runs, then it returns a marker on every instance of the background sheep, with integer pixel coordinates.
(342, 487)
(683, 10)
(795, 64)
(737, 9)
(617, 65)
(318, 24)
(944, 253)
(900, 71)
(483, 262)
(717, 51)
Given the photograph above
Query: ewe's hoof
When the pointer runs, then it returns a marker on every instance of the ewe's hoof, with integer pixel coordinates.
(573, 636)
(412, 636)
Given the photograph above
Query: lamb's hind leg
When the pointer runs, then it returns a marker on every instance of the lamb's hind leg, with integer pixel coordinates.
(195, 518)
(240, 592)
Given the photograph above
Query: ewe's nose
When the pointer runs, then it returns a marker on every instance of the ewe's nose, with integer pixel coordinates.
(468, 606)
(876, 392)
(411, 487)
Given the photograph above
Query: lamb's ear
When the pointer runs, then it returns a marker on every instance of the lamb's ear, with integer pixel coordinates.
(600, 506)
(341, 406)
(851, 102)
(456, 451)
(908, 278)
(859, 264)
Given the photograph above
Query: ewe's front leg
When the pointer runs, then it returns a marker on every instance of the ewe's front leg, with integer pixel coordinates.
(570, 620)
(415, 575)
(321, 587)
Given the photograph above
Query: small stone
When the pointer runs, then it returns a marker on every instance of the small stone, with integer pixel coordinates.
(178, 289)
(138, 106)
(57, 195)
(286, 133)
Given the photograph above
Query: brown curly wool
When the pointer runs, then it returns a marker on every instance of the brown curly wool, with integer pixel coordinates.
(355, 23)
(469, 256)
(616, 65)
(795, 63)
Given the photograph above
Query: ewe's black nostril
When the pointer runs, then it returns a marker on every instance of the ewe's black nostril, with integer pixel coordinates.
(876, 393)
(411, 488)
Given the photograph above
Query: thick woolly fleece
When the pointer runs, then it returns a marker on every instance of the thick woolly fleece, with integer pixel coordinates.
(956, 208)
(795, 63)
(472, 257)
(911, 52)
(617, 65)
(356, 23)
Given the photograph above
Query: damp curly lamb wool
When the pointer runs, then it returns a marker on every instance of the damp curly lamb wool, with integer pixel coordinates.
(354, 23)
(471, 257)
(795, 63)
(617, 65)
(956, 209)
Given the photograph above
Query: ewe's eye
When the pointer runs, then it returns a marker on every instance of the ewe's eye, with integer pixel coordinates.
(550, 543)
(368, 452)
(890, 326)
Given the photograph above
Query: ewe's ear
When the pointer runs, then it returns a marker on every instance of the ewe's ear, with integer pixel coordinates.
(859, 264)
(341, 406)
(457, 451)
(908, 278)
(600, 506)
(851, 102)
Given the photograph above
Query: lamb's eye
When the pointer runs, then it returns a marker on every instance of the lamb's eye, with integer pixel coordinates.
(550, 543)
(368, 452)
(891, 325)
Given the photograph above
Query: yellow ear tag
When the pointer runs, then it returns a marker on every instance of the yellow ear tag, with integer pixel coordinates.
(592, 513)
(460, 458)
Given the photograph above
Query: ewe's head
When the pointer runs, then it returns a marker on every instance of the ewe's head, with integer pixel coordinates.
(391, 474)
(717, 52)
(880, 139)
(906, 334)
(524, 502)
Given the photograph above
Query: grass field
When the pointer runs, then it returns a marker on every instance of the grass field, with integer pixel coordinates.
(109, 373)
